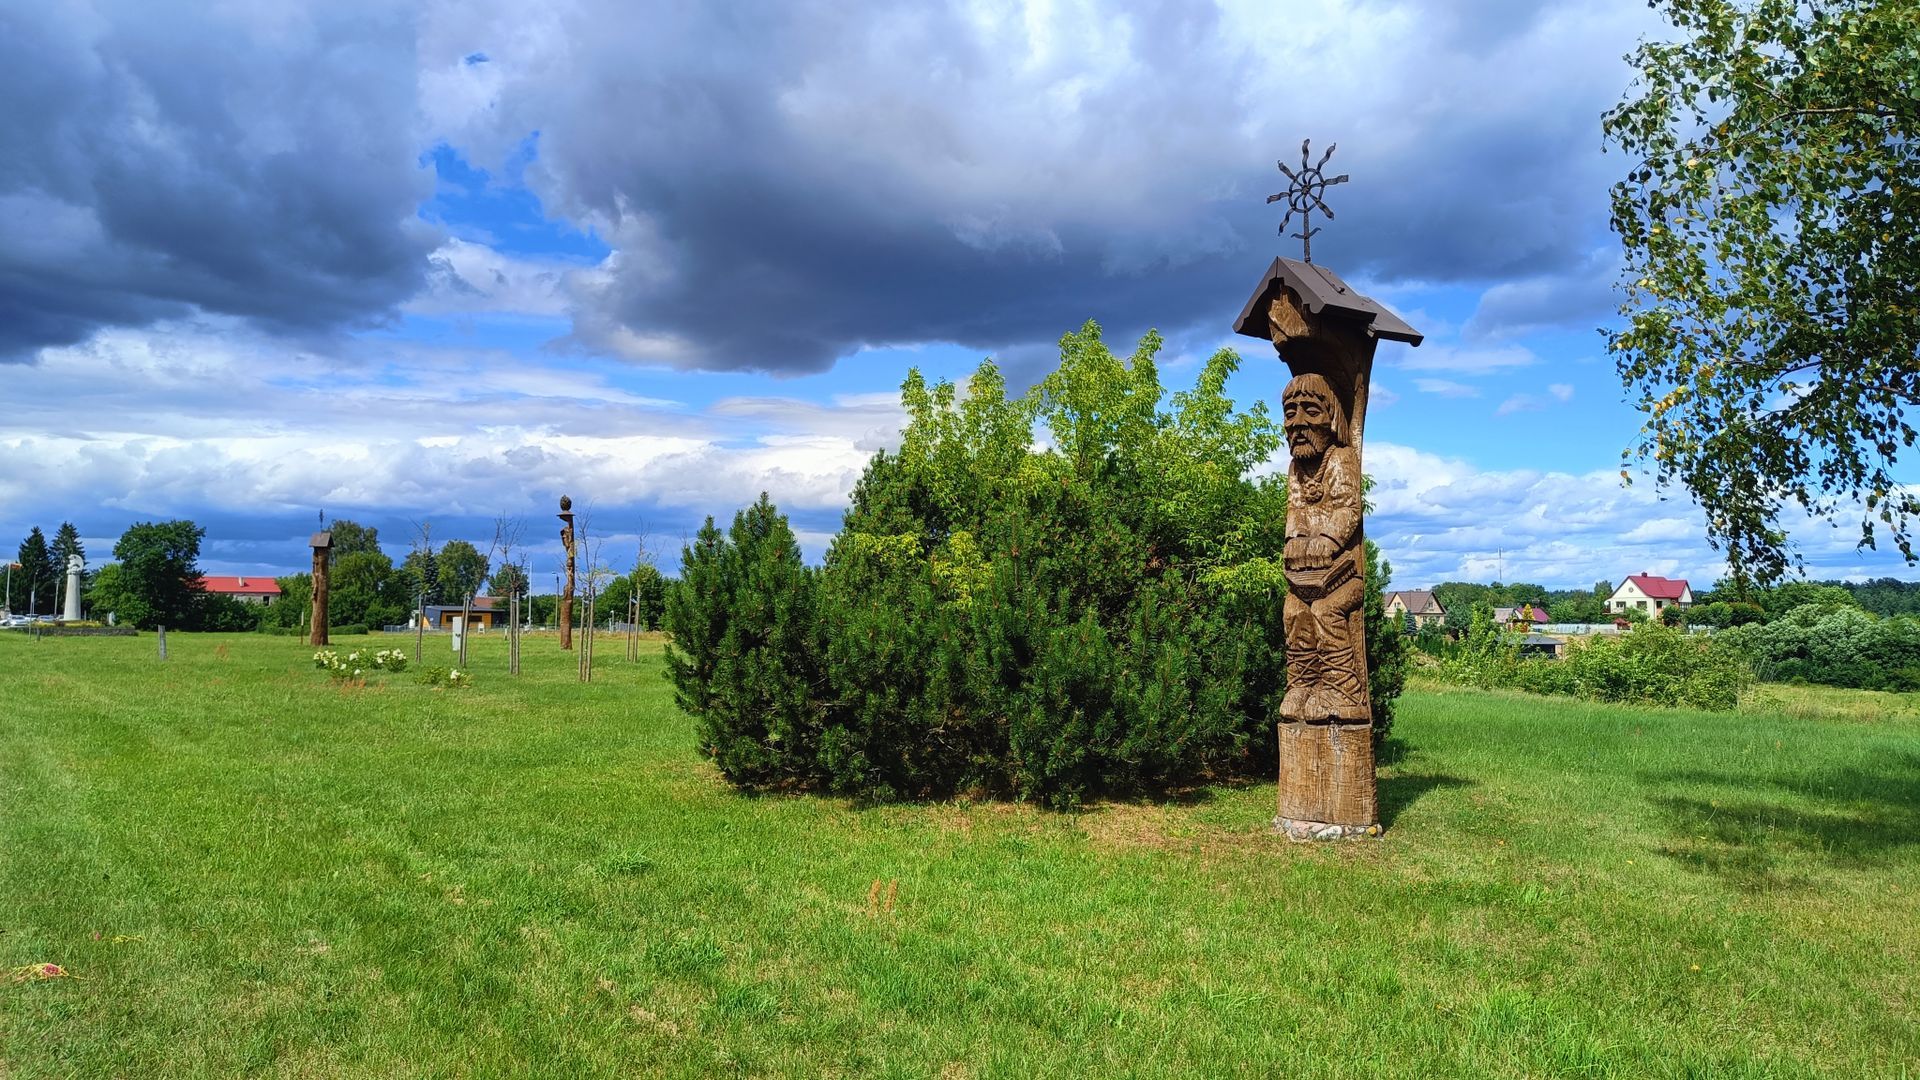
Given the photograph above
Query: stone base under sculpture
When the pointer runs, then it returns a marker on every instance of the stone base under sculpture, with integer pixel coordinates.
(1327, 786)
(1303, 831)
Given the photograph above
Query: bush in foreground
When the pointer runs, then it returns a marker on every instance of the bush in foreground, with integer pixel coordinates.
(1101, 616)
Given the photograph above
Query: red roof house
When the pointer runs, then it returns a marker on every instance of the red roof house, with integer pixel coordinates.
(1508, 616)
(1650, 594)
(251, 590)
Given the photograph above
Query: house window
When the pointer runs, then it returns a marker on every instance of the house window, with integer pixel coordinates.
(1642, 603)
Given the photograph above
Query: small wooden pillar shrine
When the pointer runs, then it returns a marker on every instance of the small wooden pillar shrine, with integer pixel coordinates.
(566, 590)
(322, 548)
(1326, 333)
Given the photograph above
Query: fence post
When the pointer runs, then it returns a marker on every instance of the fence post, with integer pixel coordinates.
(163, 642)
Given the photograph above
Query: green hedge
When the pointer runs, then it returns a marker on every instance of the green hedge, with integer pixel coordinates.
(1650, 664)
(1833, 646)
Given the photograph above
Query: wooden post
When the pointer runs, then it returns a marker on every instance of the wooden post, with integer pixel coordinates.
(162, 634)
(586, 639)
(513, 631)
(322, 547)
(633, 627)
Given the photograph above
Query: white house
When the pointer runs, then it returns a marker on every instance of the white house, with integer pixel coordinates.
(1650, 594)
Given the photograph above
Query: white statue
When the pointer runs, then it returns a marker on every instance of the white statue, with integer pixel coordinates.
(71, 613)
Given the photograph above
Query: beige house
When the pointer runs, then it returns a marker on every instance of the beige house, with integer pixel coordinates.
(1426, 610)
(1650, 594)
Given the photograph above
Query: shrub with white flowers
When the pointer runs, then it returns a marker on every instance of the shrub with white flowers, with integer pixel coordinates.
(357, 663)
(451, 678)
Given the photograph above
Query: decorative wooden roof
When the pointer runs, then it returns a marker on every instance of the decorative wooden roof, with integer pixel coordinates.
(1321, 292)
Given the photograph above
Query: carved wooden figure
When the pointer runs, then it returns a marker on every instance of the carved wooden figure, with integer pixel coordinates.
(566, 590)
(1326, 334)
(322, 543)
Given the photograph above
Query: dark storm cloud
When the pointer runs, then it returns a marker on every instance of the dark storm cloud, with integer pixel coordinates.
(258, 160)
(785, 183)
(1576, 298)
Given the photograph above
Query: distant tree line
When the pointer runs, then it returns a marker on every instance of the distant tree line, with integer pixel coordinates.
(156, 580)
(1723, 605)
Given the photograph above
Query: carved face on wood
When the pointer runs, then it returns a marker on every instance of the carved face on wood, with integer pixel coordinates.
(1312, 418)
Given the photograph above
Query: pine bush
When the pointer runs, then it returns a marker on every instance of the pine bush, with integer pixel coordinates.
(1100, 617)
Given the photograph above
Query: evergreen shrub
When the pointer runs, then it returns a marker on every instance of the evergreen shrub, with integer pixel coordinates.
(1099, 615)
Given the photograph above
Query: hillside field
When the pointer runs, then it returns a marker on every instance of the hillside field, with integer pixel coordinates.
(250, 870)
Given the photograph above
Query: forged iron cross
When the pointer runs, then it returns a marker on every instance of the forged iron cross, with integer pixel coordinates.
(1305, 195)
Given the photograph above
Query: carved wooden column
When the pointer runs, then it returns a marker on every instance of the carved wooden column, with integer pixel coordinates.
(1326, 333)
(322, 547)
(566, 590)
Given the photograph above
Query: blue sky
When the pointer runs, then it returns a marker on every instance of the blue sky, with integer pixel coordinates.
(444, 264)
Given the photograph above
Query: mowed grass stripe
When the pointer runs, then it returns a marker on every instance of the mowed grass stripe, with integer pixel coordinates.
(539, 877)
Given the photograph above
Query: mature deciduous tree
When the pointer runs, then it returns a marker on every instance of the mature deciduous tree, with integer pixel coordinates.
(294, 603)
(461, 569)
(364, 588)
(159, 571)
(352, 538)
(109, 595)
(1772, 280)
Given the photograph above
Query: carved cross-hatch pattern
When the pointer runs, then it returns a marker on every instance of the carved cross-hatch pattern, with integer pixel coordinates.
(1306, 194)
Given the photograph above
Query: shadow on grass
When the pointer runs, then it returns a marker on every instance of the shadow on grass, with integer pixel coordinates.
(1392, 752)
(1778, 829)
(1397, 793)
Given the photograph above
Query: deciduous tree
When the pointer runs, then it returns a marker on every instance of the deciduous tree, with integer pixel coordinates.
(159, 570)
(353, 538)
(1772, 274)
(461, 570)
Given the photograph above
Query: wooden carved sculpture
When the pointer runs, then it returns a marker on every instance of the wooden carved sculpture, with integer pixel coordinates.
(322, 544)
(566, 591)
(1326, 333)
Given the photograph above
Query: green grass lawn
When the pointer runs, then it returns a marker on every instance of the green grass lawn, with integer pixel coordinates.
(253, 871)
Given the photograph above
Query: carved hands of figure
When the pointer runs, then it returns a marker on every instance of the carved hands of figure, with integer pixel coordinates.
(1311, 552)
